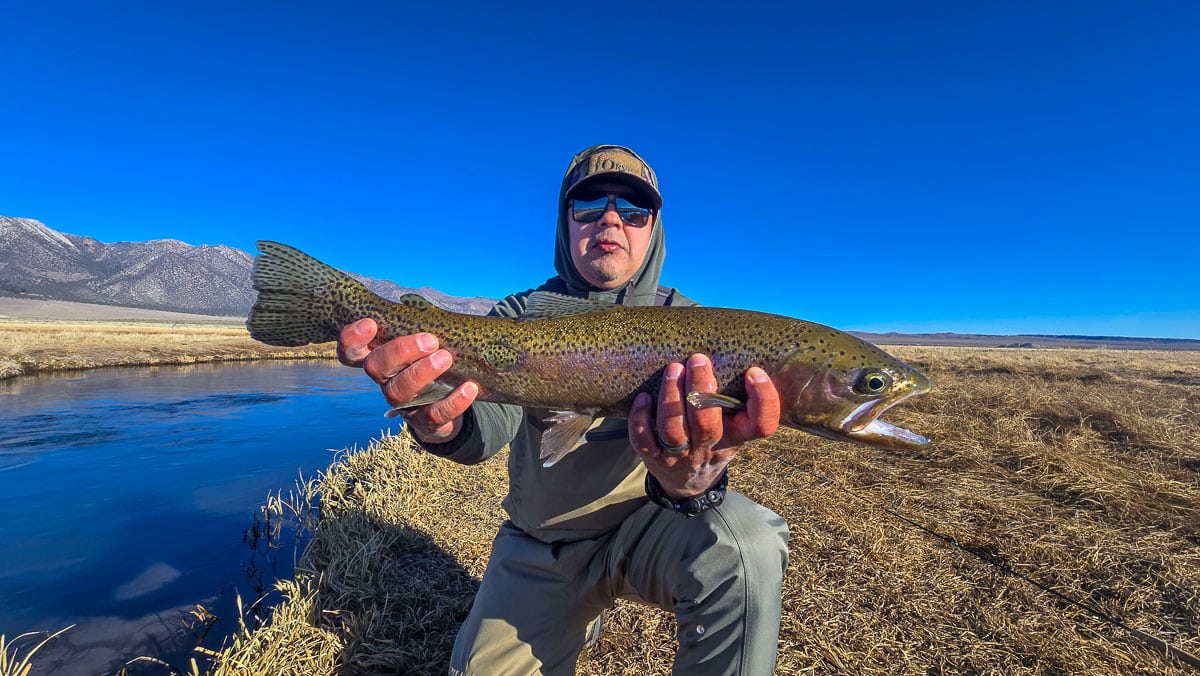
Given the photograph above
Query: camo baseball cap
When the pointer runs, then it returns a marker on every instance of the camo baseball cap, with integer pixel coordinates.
(613, 164)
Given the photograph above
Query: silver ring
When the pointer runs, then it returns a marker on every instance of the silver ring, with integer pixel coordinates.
(671, 449)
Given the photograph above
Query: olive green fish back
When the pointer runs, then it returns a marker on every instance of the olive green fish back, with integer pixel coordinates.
(622, 349)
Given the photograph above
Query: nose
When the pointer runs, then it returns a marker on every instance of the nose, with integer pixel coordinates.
(611, 218)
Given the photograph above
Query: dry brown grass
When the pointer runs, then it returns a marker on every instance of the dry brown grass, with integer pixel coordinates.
(31, 347)
(1079, 470)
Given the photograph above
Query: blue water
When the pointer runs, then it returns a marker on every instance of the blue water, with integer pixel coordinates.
(125, 494)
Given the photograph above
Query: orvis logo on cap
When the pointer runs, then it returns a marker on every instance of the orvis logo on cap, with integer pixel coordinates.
(606, 162)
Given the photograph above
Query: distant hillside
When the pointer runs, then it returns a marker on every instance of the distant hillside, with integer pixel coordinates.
(1029, 341)
(163, 274)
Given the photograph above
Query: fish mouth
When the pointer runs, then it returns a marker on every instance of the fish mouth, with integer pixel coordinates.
(863, 426)
(889, 436)
(876, 433)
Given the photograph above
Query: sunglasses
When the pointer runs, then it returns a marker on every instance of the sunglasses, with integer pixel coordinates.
(589, 210)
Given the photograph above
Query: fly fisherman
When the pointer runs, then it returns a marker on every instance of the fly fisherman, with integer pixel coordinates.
(640, 510)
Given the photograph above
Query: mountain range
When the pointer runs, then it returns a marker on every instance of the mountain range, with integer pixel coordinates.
(38, 263)
(162, 274)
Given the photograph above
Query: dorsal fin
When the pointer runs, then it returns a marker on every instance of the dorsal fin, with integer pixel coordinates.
(550, 305)
(414, 300)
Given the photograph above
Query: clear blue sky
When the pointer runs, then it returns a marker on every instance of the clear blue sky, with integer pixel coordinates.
(993, 167)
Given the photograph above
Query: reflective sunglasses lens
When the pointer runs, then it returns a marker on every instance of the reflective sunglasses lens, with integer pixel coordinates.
(633, 215)
(586, 211)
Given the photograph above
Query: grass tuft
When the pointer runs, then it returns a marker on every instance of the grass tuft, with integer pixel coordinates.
(13, 662)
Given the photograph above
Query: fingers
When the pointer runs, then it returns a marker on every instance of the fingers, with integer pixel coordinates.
(442, 419)
(763, 407)
(711, 433)
(354, 341)
(404, 367)
(399, 354)
(671, 423)
(692, 469)
(404, 386)
(704, 425)
(761, 417)
(641, 427)
(679, 428)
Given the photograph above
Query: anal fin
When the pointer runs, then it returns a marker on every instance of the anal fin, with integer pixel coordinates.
(564, 435)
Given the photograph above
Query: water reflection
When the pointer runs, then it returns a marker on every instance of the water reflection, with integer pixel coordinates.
(127, 491)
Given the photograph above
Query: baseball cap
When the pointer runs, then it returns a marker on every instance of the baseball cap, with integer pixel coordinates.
(614, 164)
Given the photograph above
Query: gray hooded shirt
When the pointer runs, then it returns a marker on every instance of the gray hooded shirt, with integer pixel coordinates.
(593, 489)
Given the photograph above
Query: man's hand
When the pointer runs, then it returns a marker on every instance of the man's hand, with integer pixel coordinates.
(403, 367)
(710, 436)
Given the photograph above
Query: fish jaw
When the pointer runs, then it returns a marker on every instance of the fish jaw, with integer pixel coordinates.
(886, 435)
(826, 404)
(866, 427)
(876, 433)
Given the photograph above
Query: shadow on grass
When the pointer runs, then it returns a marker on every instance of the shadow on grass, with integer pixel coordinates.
(394, 597)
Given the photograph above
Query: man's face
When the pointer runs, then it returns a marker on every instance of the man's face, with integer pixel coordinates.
(607, 252)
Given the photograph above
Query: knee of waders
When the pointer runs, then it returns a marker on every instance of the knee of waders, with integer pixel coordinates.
(760, 535)
(739, 539)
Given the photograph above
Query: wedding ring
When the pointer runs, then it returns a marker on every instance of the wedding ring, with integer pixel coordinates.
(669, 448)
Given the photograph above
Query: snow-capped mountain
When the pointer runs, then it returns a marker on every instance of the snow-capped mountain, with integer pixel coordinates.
(161, 274)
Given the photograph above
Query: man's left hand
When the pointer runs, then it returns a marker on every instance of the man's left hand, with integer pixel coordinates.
(710, 437)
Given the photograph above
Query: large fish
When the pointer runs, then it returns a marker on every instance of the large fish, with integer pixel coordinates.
(583, 359)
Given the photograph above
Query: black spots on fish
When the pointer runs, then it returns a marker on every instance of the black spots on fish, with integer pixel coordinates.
(812, 350)
(501, 355)
(644, 335)
(821, 348)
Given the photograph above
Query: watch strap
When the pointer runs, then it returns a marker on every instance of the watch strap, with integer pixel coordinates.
(689, 507)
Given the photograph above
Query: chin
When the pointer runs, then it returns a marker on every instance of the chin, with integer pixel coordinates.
(604, 278)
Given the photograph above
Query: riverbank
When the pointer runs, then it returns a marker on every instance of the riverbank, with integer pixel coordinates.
(1057, 478)
(32, 346)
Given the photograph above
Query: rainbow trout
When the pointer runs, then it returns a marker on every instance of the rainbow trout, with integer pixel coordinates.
(582, 359)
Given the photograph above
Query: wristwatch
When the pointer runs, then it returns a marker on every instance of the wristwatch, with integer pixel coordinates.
(692, 506)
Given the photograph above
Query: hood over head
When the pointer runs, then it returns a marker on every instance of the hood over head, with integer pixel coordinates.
(614, 164)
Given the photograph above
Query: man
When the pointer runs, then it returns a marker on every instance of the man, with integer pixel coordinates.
(586, 530)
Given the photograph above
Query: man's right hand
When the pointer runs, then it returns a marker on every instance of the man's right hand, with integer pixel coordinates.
(403, 367)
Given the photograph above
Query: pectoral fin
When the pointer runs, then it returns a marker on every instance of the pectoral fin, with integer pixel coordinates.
(709, 400)
(435, 391)
(564, 435)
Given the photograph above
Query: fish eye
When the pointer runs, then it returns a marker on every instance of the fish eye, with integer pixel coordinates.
(873, 382)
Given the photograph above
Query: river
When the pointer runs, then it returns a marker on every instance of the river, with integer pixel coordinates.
(126, 495)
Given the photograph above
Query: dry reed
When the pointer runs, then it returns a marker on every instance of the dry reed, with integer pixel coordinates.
(14, 662)
(1075, 470)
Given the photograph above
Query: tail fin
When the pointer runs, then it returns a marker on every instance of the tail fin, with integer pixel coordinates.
(300, 299)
